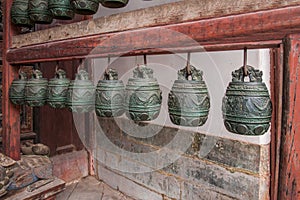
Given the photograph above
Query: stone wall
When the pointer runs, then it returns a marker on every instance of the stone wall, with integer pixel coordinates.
(210, 168)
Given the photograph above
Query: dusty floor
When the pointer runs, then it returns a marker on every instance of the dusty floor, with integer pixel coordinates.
(91, 189)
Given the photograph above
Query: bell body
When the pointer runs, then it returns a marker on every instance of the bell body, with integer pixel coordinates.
(17, 90)
(114, 3)
(36, 90)
(61, 9)
(81, 94)
(20, 15)
(85, 7)
(110, 95)
(143, 95)
(57, 90)
(39, 11)
(247, 107)
(189, 103)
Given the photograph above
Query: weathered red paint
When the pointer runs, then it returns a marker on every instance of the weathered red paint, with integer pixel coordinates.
(289, 182)
(244, 28)
(11, 113)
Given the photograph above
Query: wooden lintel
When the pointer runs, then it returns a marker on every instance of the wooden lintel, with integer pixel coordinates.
(171, 13)
(271, 25)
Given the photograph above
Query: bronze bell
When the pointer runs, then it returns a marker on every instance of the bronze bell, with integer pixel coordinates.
(17, 89)
(81, 93)
(143, 95)
(114, 3)
(36, 89)
(57, 89)
(189, 100)
(110, 95)
(247, 108)
(20, 15)
(39, 11)
(61, 9)
(85, 7)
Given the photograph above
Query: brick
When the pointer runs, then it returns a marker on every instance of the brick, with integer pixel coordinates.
(126, 186)
(234, 184)
(192, 192)
(161, 183)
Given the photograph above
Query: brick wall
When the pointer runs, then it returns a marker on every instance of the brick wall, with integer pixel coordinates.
(211, 167)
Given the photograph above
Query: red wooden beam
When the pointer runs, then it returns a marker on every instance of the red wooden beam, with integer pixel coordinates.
(11, 113)
(289, 179)
(245, 28)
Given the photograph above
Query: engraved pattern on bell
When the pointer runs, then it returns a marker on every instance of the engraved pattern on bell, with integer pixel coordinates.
(58, 89)
(20, 15)
(39, 12)
(85, 7)
(17, 89)
(247, 107)
(81, 93)
(61, 9)
(143, 95)
(114, 3)
(36, 90)
(110, 95)
(189, 101)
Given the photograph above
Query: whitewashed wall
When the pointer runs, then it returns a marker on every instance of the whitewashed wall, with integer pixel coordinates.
(217, 68)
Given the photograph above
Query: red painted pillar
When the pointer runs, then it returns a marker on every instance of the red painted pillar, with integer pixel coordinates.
(289, 173)
(11, 113)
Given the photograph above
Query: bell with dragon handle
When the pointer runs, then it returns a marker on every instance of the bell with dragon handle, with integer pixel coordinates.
(20, 15)
(143, 95)
(81, 93)
(17, 89)
(85, 7)
(110, 95)
(58, 89)
(247, 108)
(189, 101)
(39, 11)
(36, 90)
(114, 3)
(61, 9)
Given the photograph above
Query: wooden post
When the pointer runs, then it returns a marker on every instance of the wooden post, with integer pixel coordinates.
(11, 113)
(289, 178)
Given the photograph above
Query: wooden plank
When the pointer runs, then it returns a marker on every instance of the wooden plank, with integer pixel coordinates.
(48, 191)
(172, 13)
(11, 113)
(245, 28)
(289, 182)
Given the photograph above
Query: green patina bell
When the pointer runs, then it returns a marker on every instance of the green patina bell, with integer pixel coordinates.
(58, 89)
(114, 3)
(61, 9)
(143, 95)
(20, 15)
(39, 11)
(189, 100)
(247, 108)
(81, 93)
(36, 89)
(110, 95)
(17, 89)
(85, 7)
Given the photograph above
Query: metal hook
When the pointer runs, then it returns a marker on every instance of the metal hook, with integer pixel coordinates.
(56, 67)
(246, 73)
(80, 65)
(145, 59)
(188, 65)
(106, 75)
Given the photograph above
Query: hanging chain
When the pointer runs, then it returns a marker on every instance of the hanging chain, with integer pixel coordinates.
(145, 59)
